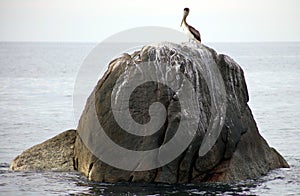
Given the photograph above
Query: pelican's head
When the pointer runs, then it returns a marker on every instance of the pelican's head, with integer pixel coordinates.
(185, 14)
(186, 11)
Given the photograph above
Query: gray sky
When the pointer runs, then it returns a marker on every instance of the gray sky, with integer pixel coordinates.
(95, 20)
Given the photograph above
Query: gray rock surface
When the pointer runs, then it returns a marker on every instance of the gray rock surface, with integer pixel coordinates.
(55, 154)
(239, 152)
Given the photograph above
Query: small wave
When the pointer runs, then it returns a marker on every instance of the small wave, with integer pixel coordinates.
(4, 165)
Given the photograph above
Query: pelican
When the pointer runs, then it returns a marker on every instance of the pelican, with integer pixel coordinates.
(191, 31)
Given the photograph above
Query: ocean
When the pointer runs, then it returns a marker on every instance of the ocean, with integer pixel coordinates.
(36, 103)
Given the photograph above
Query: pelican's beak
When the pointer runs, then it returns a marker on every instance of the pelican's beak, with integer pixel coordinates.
(181, 22)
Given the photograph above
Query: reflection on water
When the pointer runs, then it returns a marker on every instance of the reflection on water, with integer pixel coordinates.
(74, 183)
(68, 183)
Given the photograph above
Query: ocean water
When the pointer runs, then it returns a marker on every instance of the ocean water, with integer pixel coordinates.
(36, 89)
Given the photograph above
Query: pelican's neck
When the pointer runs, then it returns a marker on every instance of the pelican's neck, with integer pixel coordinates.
(184, 19)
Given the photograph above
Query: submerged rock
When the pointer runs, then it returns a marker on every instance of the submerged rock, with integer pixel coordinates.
(218, 103)
(55, 154)
(239, 151)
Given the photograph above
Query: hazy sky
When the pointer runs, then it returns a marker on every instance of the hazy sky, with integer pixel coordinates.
(95, 20)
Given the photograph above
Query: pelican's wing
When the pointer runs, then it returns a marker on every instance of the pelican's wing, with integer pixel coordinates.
(195, 33)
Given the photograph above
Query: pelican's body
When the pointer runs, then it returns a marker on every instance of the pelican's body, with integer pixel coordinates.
(190, 31)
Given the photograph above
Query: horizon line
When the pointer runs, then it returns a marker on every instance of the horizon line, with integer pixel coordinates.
(116, 42)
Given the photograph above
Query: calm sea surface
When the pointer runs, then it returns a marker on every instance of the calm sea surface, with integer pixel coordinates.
(36, 89)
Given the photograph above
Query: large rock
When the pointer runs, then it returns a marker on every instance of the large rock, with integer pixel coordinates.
(55, 154)
(239, 152)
